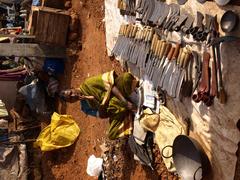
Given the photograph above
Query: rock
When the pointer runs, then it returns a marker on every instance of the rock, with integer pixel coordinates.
(74, 23)
(73, 36)
(68, 4)
(82, 4)
(104, 148)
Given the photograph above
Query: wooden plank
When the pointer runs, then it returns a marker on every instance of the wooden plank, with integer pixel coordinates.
(59, 4)
(32, 50)
(52, 26)
(32, 20)
(17, 36)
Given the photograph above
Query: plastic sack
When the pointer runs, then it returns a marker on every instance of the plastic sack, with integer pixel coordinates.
(94, 166)
(35, 96)
(62, 132)
(3, 110)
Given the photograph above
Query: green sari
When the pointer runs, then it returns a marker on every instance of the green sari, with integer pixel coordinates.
(100, 87)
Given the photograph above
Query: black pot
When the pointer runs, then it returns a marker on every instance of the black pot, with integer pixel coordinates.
(189, 158)
(229, 21)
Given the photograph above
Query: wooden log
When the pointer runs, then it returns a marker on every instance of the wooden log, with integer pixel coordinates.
(32, 50)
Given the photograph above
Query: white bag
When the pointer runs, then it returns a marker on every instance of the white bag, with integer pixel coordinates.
(94, 166)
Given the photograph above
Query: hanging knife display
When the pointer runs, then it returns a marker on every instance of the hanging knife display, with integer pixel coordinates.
(172, 66)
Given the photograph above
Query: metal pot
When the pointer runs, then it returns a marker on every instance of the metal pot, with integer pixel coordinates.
(182, 2)
(229, 21)
(201, 1)
(189, 158)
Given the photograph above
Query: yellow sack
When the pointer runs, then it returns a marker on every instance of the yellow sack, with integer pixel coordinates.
(62, 132)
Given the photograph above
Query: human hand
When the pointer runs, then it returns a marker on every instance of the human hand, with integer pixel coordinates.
(131, 106)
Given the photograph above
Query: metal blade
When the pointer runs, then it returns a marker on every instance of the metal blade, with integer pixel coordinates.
(168, 73)
(180, 81)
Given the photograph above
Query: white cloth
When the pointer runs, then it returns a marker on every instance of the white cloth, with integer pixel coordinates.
(94, 166)
(168, 129)
(3, 110)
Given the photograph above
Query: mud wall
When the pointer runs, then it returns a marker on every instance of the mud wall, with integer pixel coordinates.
(215, 126)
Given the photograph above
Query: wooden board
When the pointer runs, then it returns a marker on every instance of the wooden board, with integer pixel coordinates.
(50, 26)
(58, 4)
(32, 21)
(32, 50)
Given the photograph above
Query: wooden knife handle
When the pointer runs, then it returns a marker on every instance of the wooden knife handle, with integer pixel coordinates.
(121, 29)
(124, 29)
(204, 84)
(160, 42)
(128, 30)
(144, 33)
(181, 59)
(179, 55)
(164, 45)
(147, 34)
(154, 45)
(213, 89)
(170, 54)
(141, 34)
(137, 37)
(134, 32)
(153, 42)
(176, 52)
(186, 59)
(131, 31)
(168, 48)
(150, 35)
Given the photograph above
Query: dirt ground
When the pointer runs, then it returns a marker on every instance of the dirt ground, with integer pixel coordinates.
(90, 58)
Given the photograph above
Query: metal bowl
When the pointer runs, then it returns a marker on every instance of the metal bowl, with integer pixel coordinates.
(201, 1)
(189, 158)
(229, 21)
(222, 2)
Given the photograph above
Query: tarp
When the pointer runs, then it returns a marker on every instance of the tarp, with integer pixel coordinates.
(13, 162)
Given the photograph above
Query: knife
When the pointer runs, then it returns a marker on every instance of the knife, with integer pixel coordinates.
(177, 73)
(170, 68)
(182, 73)
(165, 65)
(173, 74)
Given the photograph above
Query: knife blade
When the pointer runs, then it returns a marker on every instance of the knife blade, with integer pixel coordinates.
(165, 65)
(182, 73)
(170, 68)
(177, 74)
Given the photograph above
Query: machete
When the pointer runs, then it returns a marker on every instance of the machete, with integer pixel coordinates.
(160, 55)
(173, 74)
(177, 74)
(170, 67)
(165, 65)
(159, 70)
(182, 73)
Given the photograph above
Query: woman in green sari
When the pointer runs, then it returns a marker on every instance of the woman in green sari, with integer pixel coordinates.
(106, 96)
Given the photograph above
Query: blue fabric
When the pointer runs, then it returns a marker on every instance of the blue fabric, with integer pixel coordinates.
(54, 66)
(36, 3)
(87, 109)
